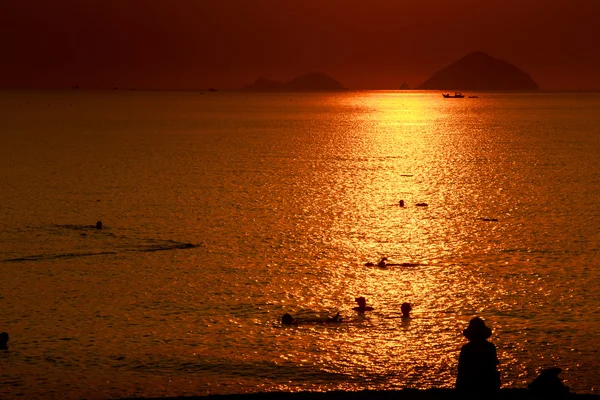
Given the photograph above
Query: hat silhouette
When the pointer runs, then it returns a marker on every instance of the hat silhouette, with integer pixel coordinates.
(477, 330)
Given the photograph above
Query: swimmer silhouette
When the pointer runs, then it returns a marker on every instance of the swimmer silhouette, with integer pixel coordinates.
(336, 318)
(99, 225)
(406, 309)
(478, 376)
(3, 340)
(401, 203)
(362, 305)
(382, 263)
(287, 319)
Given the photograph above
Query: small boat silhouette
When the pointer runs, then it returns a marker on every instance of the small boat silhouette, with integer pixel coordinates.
(456, 95)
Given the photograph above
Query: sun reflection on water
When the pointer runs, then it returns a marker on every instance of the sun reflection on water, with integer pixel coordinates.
(390, 155)
(287, 197)
(420, 149)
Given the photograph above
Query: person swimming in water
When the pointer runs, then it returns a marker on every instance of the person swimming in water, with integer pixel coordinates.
(336, 318)
(382, 263)
(406, 309)
(362, 305)
(287, 319)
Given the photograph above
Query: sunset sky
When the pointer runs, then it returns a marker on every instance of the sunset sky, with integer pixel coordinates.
(365, 44)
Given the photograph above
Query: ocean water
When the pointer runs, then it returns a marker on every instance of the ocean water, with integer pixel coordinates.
(222, 211)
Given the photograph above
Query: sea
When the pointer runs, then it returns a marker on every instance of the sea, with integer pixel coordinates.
(222, 211)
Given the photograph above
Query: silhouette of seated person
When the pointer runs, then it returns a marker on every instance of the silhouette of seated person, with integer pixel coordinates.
(406, 309)
(362, 305)
(287, 319)
(549, 385)
(477, 364)
(3, 340)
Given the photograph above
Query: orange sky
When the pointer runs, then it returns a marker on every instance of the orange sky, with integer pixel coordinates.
(375, 44)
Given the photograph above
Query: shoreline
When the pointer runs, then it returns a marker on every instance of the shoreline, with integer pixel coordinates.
(403, 394)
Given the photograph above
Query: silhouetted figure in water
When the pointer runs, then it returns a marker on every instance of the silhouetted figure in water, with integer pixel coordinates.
(99, 225)
(401, 203)
(548, 385)
(362, 305)
(3, 340)
(406, 309)
(382, 263)
(287, 319)
(478, 376)
(336, 318)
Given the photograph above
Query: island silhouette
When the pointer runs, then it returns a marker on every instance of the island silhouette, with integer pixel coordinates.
(313, 81)
(479, 71)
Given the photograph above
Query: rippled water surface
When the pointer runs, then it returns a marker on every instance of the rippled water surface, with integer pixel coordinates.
(222, 211)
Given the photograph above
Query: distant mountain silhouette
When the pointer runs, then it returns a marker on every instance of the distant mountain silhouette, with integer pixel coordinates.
(405, 86)
(479, 71)
(314, 81)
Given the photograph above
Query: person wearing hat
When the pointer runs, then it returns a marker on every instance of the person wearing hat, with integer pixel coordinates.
(477, 364)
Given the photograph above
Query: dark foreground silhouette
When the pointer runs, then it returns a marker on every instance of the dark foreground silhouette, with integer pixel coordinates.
(3, 341)
(548, 384)
(404, 394)
(478, 375)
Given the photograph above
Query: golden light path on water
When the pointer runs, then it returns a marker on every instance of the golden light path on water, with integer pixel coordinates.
(425, 150)
(411, 148)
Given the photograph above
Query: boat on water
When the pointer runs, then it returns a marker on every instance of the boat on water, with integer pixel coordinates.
(456, 95)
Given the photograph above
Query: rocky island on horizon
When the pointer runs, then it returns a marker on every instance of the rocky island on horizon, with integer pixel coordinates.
(479, 71)
(313, 81)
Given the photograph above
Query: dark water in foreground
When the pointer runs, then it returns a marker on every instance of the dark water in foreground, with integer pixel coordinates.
(222, 211)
